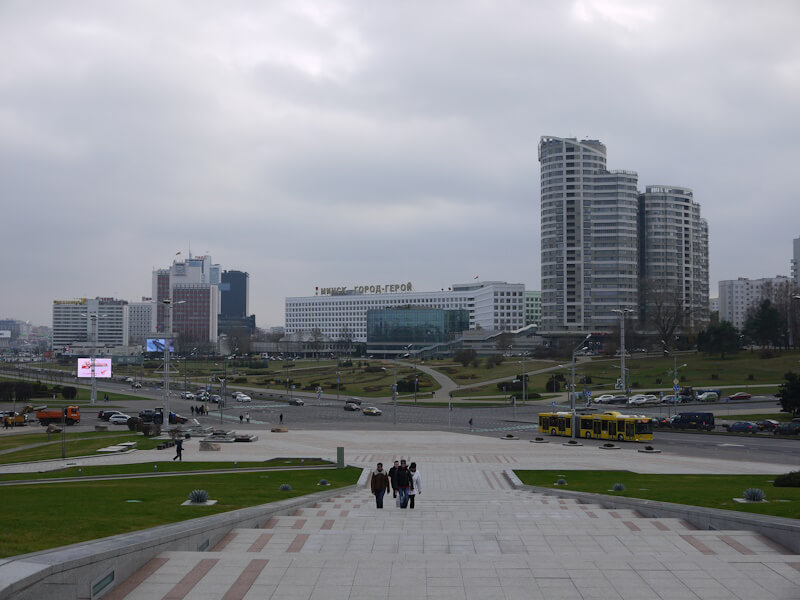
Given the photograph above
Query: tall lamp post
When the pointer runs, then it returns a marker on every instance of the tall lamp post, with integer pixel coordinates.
(572, 385)
(93, 317)
(169, 304)
(622, 312)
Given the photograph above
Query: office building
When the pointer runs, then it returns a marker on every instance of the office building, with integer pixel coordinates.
(394, 329)
(738, 296)
(673, 256)
(589, 237)
(193, 287)
(74, 323)
(341, 313)
(140, 320)
(533, 308)
(234, 293)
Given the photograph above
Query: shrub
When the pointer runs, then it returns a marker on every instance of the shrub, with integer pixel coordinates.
(69, 392)
(766, 354)
(714, 376)
(791, 479)
(346, 363)
(198, 496)
(552, 385)
(754, 495)
(134, 424)
(618, 487)
(151, 429)
(323, 482)
(586, 379)
(750, 377)
(539, 439)
(658, 380)
(285, 487)
(561, 481)
(648, 448)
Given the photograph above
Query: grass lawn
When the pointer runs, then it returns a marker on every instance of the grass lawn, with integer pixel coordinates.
(713, 491)
(76, 447)
(38, 436)
(163, 467)
(51, 515)
(510, 367)
(476, 404)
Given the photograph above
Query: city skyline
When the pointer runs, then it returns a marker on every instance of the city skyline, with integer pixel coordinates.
(323, 144)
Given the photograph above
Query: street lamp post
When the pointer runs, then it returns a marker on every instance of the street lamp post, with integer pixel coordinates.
(338, 380)
(622, 312)
(572, 385)
(169, 304)
(93, 317)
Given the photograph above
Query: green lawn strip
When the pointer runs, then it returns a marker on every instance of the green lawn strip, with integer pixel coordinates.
(782, 417)
(48, 516)
(713, 491)
(476, 404)
(76, 447)
(162, 467)
(39, 437)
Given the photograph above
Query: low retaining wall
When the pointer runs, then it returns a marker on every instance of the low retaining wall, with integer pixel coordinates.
(785, 532)
(72, 571)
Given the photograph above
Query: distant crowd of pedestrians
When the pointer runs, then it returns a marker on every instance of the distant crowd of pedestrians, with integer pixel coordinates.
(403, 480)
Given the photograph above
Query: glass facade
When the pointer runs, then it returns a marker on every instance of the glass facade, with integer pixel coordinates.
(412, 325)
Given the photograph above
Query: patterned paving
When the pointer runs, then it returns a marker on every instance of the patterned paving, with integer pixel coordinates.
(471, 537)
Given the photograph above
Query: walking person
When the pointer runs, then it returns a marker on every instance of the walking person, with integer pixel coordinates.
(192, 409)
(281, 418)
(416, 484)
(379, 484)
(470, 423)
(403, 483)
(178, 450)
(247, 417)
(241, 418)
(393, 477)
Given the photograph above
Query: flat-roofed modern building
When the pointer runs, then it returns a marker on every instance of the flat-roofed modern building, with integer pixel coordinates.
(341, 313)
(73, 322)
(673, 255)
(393, 329)
(533, 308)
(589, 237)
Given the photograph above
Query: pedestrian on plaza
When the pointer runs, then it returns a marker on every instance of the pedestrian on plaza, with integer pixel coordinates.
(192, 409)
(241, 418)
(416, 484)
(247, 417)
(393, 478)
(105, 398)
(403, 483)
(470, 423)
(178, 450)
(281, 418)
(379, 484)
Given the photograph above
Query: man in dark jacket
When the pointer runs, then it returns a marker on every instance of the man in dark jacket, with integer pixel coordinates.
(404, 483)
(379, 484)
(393, 478)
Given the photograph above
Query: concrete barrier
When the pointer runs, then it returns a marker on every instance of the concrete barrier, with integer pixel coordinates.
(784, 532)
(72, 571)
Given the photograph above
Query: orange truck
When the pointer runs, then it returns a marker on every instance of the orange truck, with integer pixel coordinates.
(70, 414)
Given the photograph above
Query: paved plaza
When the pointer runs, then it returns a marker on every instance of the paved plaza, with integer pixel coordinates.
(471, 536)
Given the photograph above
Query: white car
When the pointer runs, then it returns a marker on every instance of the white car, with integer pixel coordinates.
(636, 400)
(187, 395)
(119, 419)
(604, 399)
(243, 398)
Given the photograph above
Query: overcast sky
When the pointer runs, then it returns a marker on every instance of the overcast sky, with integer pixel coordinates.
(349, 143)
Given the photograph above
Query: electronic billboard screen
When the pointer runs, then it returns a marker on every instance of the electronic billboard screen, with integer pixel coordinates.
(157, 345)
(102, 367)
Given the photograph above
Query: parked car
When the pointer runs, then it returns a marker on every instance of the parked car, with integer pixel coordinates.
(371, 410)
(743, 427)
(619, 399)
(152, 416)
(671, 399)
(136, 385)
(296, 402)
(604, 398)
(767, 425)
(708, 397)
(351, 406)
(243, 398)
(236, 394)
(353, 400)
(642, 399)
(740, 396)
(215, 398)
(119, 419)
(187, 395)
(790, 428)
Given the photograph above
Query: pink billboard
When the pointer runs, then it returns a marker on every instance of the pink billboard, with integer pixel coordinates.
(102, 367)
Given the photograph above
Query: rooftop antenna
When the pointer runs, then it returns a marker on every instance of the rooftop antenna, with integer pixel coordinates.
(190, 250)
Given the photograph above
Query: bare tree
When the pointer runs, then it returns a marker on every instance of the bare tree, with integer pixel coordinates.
(665, 309)
(316, 336)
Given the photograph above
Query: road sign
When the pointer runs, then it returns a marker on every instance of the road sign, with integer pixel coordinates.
(676, 387)
(588, 393)
(553, 403)
(675, 382)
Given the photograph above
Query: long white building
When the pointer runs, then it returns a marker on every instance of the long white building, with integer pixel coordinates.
(341, 313)
(737, 296)
(74, 323)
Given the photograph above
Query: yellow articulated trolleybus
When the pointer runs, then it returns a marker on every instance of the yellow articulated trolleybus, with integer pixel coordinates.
(611, 425)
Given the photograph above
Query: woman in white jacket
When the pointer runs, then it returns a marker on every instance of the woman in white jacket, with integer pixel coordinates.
(416, 484)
